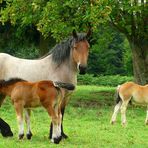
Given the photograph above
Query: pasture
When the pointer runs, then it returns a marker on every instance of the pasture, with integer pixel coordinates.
(86, 121)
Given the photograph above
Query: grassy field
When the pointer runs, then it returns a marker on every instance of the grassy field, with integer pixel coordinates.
(86, 122)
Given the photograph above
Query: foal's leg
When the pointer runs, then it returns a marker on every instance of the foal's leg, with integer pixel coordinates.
(19, 113)
(116, 110)
(62, 110)
(56, 132)
(146, 120)
(27, 119)
(123, 112)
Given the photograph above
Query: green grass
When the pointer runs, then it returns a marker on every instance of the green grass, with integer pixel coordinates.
(86, 122)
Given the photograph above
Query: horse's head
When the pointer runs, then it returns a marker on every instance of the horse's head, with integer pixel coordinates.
(80, 51)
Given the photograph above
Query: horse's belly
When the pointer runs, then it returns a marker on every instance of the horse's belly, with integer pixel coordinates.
(141, 99)
(35, 102)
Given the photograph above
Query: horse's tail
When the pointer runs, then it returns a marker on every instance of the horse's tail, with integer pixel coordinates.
(117, 96)
(67, 86)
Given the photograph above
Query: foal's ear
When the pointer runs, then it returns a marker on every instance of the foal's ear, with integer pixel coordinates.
(74, 33)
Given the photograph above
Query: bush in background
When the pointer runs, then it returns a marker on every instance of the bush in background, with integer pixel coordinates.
(108, 80)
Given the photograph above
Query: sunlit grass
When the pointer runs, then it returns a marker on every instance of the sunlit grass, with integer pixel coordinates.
(86, 122)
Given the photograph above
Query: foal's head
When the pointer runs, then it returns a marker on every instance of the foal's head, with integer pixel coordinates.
(80, 51)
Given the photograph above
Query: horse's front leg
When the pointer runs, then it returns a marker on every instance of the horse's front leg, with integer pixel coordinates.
(27, 119)
(63, 105)
(5, 128)
(62, 131)
(19, 114)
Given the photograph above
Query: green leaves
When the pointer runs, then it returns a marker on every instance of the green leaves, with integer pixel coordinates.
(58, 17)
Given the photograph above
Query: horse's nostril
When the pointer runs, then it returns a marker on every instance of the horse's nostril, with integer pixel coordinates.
(82, 69)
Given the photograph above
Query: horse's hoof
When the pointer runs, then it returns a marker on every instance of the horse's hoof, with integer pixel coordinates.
(21, 136)
(124, 124)
(6, 133)
(56, 140)
(112, 122)
(29, 135)
(146, 122)
(64, 136)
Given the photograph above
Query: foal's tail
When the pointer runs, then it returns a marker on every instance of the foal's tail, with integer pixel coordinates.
(67, 86)
(117, 96)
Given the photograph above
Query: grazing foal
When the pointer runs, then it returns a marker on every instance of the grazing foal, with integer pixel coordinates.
(27, 95)
(125, 93)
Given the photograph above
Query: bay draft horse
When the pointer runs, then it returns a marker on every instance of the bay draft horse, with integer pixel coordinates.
(27, 95)
(125, 93)
(62, 64)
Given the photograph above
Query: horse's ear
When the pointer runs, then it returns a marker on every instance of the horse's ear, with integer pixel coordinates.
(74, 33)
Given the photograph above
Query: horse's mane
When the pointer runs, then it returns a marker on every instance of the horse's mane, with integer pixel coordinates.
(61, 51)
(5, 83)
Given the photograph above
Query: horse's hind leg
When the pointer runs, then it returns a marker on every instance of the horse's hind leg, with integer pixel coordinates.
(27, 119)
(56, 124)
(19, 113)
(116, 110)
(146, 120)
(123, 111)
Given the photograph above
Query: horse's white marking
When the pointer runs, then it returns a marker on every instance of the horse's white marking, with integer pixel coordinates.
(116, 110)
(56, 132)
(78, 64)
(27, 118)
(123, 112)
(21, 125)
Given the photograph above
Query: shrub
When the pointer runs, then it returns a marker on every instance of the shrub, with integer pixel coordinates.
(109, 80)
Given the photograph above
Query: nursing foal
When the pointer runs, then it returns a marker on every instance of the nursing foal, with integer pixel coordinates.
(27, 95)
(125, 93)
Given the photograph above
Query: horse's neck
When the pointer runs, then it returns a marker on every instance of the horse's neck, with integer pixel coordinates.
(68, 72)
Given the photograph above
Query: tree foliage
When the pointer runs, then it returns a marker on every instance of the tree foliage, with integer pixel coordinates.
(58, 17)
(130, 18)
(109, 53)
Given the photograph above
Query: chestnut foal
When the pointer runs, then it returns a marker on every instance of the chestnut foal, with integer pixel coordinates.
(125, 93)
(28, 95)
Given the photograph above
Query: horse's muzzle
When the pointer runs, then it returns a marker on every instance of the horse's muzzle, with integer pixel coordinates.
(82, 69)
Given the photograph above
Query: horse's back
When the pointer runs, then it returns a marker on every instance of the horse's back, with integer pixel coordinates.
(126, 89)
(31, 70)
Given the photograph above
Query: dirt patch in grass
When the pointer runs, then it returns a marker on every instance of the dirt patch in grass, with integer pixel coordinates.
(97, 99)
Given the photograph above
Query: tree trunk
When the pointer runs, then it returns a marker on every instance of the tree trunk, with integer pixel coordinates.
(140, 62)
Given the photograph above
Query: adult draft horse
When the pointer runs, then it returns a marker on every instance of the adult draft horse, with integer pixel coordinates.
(61, 64)
(27, 95)
(125, 93)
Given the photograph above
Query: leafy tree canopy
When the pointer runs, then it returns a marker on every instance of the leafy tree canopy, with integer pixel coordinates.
(58, 17)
